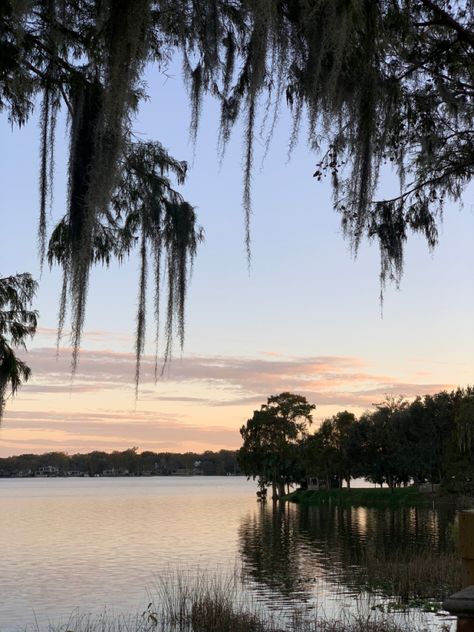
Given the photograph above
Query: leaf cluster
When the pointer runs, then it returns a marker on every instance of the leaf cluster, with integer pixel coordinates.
(271, 436)
(17, 323)
(428, 440)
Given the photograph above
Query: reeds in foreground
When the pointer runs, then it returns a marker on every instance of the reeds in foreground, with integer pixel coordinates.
(409, 575)
(212, 603)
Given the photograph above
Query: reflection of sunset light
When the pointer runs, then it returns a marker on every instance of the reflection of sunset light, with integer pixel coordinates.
(359, 516)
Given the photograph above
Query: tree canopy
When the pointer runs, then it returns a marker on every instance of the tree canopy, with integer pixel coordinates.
(17, 323)
(426, 441)
(270, 440)
(385, 82)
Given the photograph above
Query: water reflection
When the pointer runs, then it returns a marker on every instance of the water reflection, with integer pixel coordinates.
(295, 550)
(87, 544)
(270, 547)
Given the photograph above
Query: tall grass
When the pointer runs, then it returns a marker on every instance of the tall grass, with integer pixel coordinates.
(413, 574)
(211, 603)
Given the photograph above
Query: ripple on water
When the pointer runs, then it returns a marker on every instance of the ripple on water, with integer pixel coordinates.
(87, 544)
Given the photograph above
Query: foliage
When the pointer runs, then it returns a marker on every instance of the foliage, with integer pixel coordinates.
(341, 447)
(17, 323)
(386, 445)
(147, 211)
(89, 57)
(386, 82)
(426, 441)
(271, 437)
(460, 450)
(381, 82)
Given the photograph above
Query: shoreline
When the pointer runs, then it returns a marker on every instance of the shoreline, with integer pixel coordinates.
(363, 497)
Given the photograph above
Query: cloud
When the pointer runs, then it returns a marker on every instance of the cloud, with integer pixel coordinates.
(227, 380)
(113, 367)
(199, 402)
(50, 430)
(88, 335)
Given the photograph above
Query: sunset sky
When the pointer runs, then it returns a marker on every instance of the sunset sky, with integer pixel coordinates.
(306, 317)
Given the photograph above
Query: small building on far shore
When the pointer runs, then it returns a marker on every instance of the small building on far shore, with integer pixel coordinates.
(47, 470)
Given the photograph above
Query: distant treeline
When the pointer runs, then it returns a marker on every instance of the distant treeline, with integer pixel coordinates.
(127, 463)
(427, 441)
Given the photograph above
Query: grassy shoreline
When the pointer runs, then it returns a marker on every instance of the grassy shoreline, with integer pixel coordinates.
(363, 497)
(215, 603)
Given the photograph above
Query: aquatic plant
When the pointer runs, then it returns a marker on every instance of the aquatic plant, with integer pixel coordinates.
(186, 603)
(412, 576)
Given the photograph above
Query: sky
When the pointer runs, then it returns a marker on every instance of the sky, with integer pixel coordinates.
(305, 317)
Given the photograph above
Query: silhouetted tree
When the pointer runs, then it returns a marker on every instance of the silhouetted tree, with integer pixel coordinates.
(459, 453)
(271, 438)
(17, 323)
(385, 447)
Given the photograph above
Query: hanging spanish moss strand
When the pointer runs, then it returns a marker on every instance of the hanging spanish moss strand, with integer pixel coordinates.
(48, 120)
(87, 109)
(227, 104)
(54, 107)
(99, 124)
(44, 171)
(196, 80)
(256, 68)
(157, 247)
(248, 164)
(170, 312)
(49, 106)
(141, 312)
(62, 308)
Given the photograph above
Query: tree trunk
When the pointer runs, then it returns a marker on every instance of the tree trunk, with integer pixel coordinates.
(390, 483)
(281, 489)
(274, 491)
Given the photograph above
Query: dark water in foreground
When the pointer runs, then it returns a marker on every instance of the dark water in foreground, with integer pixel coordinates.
(87, 544)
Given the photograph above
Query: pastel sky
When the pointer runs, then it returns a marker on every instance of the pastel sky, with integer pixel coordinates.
(305, 318)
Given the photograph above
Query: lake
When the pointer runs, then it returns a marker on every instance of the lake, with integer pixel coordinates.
(84, 544)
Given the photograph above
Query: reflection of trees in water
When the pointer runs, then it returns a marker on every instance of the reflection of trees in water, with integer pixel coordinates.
(351, 537)
(288, 548)
(269, 547)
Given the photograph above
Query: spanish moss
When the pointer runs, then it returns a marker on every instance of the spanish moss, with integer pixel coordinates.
(378, 87)
(141, 311)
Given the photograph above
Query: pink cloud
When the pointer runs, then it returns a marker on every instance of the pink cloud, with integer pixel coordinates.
(231, 380)
(178, 413)
(50, 430)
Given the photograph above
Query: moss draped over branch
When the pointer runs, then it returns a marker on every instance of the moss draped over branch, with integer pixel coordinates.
(381, 82)
(147, 213)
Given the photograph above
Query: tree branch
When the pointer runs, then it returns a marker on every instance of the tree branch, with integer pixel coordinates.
(447, 20)
(425, 183)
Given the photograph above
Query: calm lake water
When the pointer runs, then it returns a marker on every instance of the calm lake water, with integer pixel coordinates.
(83, 544)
